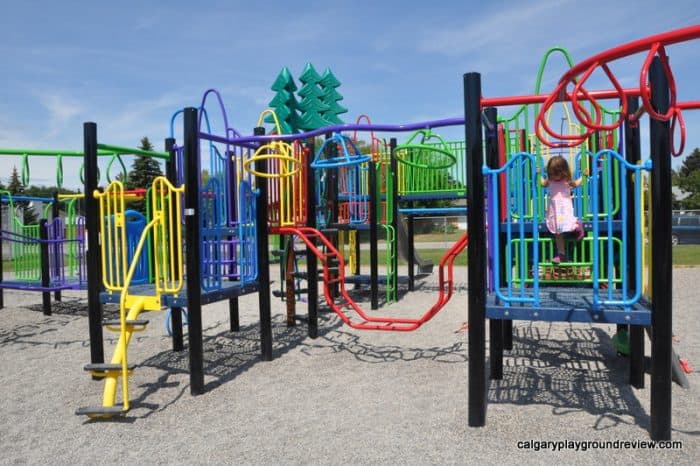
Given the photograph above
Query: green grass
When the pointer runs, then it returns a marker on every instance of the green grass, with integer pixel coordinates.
(433, 255)
(686, 255)
(437, 237)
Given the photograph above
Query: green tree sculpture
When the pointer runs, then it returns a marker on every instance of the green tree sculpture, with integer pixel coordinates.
(311, 104)
(284, 103)
(330, 84)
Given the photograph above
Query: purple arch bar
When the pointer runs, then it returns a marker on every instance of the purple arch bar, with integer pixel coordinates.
(247, 140)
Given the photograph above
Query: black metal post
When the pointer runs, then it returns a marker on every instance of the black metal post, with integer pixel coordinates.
(662, 266)
(193, 251)
(476, 255)
(333, 207)
(92, 253)
(175, 312)
(57, 247)
(234, 314)
(311, 263)
(263, 258)
(373, 250)
(394, 194)
(636, 332)
(233, 310)
(289, 259)
(495, 325)
(45, 271)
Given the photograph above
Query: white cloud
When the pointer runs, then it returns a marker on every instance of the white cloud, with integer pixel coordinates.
(513, 26)
(61, 111)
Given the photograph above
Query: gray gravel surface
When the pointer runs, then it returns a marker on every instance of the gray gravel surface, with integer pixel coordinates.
(347, 397)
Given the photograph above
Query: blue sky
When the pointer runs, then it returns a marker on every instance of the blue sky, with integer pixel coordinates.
(129, 65)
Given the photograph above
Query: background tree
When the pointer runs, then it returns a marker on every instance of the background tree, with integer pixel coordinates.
(16, 188)
(143, 170)
(687, 178)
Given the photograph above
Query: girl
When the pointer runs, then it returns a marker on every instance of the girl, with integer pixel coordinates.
(560, 210)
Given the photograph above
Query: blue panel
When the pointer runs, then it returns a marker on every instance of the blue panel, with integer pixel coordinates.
(567, 304)
(610, 316)
(451, 195)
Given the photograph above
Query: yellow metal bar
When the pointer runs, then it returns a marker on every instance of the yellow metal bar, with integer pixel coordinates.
(647, 215)
(71, 196)
(119, 357)
(113, 250)
(352, 240)
(166, 226)
(166, 207)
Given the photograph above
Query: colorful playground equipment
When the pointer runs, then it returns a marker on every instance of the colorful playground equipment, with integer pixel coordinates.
(220, 213)
(609, 278)
(279, 183)
(337, 162)
(50, 256)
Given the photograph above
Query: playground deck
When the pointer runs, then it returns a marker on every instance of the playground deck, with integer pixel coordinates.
(572, 304)
(229, 289)
(349, 397)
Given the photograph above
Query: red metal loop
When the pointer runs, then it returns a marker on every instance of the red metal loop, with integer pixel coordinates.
(677, 117)
(583, 116)
(541, 123)
(645, 90)
(375, 144)
(599, 114)
(357, 122)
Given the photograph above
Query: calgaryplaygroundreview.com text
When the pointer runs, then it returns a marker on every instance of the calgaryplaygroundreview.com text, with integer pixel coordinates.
(585, 445)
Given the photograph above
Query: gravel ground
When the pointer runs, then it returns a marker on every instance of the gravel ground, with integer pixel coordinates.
(346, 397)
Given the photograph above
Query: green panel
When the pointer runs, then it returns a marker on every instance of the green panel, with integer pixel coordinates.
(417, 180)
(26, 255)
(578, 270)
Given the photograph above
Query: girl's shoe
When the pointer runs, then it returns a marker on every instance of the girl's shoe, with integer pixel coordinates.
(559, 258)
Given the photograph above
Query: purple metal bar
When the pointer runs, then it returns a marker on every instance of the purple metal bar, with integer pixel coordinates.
(241, 141)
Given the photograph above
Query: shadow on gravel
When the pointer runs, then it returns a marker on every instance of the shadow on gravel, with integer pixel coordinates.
(579, 373)
(226, 355)
(338, 340)
(75, 307)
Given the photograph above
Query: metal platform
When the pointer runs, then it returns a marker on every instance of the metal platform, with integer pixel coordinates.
(34, 286)
(229, 290)
(568, 304)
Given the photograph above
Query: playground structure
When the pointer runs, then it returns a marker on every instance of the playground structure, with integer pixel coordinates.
(220, 216)
(614, 281)
(263, 184)
(48, 256)
(612, 278)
